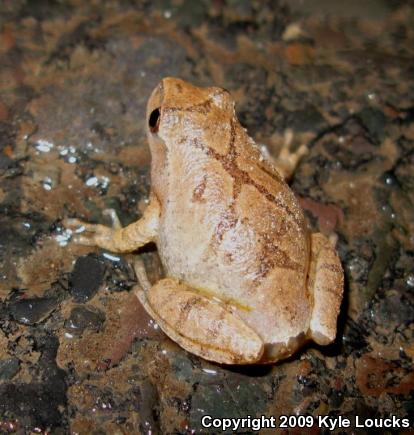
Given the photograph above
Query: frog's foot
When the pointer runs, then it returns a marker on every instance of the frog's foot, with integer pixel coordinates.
(200, 325)
(118, 239)
(91, 234)
(325, 282)
(287, 161)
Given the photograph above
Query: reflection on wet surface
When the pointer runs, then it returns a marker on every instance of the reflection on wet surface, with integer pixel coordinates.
(77, 352)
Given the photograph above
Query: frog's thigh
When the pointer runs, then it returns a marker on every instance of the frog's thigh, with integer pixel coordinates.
(201, 325)
(325, 282)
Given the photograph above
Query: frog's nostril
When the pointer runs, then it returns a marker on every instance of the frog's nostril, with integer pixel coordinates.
(154, 120)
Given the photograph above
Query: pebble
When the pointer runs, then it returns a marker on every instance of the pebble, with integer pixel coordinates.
(374, 120)
(86, 278)
(8, 368)
(82, 318)
(32, 311)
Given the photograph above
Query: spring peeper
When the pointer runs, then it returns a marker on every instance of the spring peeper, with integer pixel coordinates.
(246, 281)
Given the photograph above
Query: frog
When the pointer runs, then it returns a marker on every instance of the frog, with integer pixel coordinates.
(246, 281)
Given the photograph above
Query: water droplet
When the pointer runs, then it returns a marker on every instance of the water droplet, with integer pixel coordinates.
(44, 146)
(410, 280)
(209, 371)
(111, 257)
(388, 211)
(92, 181)
(102, 182)
(63, 237)
(47, 183)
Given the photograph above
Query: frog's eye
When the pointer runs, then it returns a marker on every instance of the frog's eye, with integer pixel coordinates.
(154, 120)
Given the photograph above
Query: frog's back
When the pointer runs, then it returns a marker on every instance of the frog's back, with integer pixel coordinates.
(234, 229)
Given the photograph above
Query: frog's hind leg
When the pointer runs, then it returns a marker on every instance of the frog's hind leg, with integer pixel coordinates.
(199, 324)
(325, 284)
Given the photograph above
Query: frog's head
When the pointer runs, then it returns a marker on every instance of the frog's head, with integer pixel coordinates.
(178, 112)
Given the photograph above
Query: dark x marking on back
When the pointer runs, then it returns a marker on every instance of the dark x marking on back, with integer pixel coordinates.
(272, 255)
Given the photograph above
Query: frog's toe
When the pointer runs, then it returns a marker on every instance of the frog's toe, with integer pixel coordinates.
(90, 234)
(301, 151)
(73, 223)
(84, 240)
(80, 227)
(290, 159)
(287, 160)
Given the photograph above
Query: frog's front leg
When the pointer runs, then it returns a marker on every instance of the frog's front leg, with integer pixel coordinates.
(119, 239)
(325, 283)
(201, 325)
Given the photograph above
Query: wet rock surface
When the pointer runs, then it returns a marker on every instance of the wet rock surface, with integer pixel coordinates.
(8, 368)
(31, 311)
(78, 354)
(86, 278)
(82, 318)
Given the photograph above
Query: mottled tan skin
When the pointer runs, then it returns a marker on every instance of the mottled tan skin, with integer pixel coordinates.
(246, 282)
